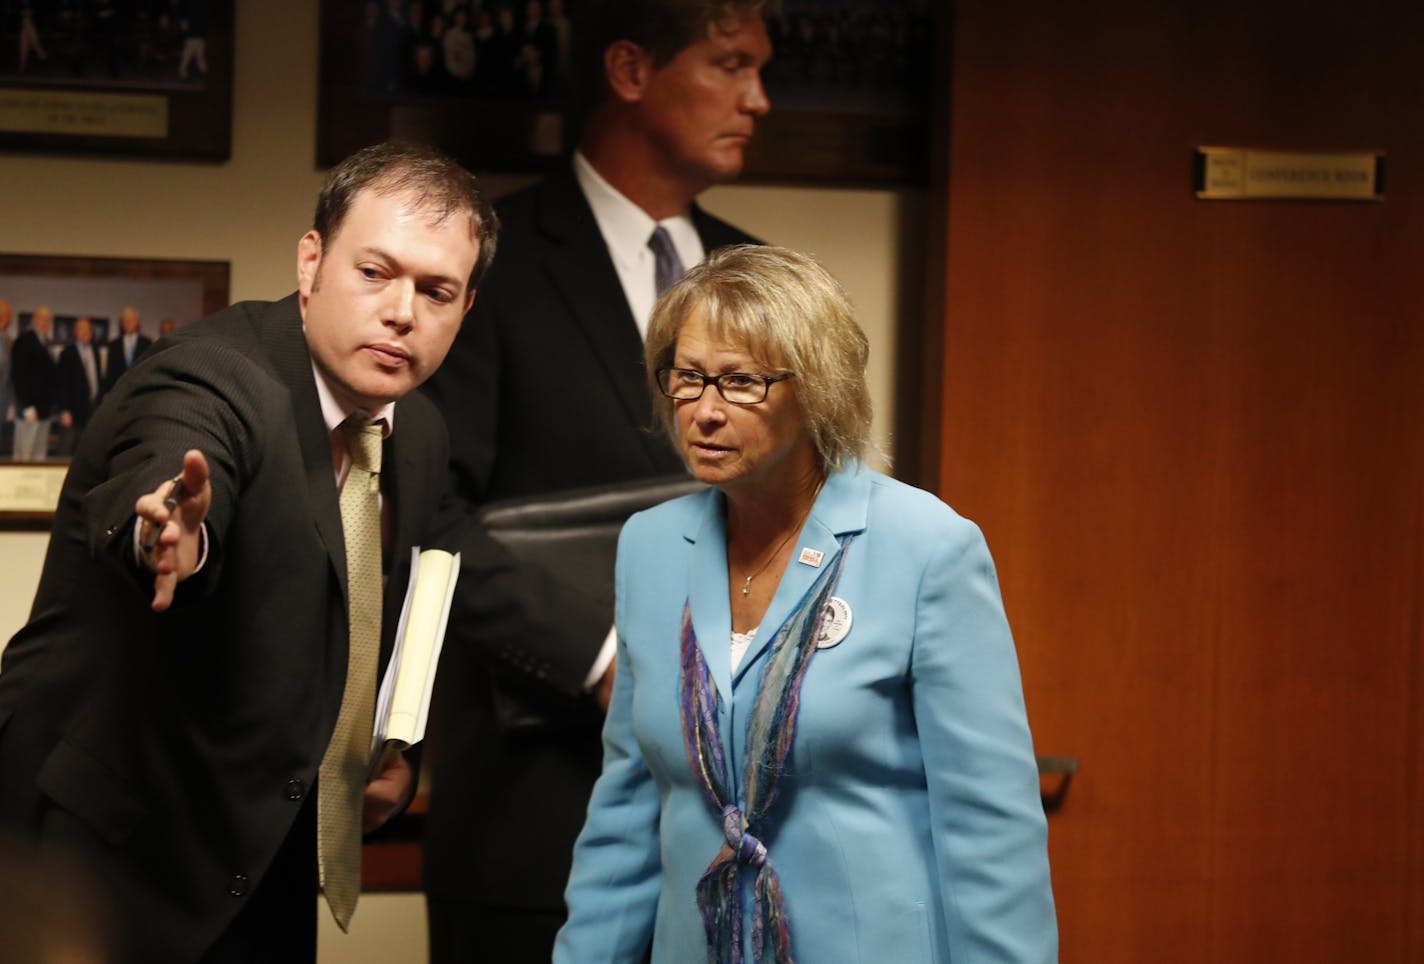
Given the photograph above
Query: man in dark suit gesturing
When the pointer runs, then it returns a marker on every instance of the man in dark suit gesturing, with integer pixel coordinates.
(189, 708)
(544, 390)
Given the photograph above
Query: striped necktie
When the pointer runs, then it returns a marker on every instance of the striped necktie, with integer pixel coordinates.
(667, 266)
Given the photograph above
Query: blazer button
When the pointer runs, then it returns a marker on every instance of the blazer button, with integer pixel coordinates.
(237, 887)
(296, 789)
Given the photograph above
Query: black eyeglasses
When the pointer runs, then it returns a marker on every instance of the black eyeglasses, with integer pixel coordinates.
(739, 388)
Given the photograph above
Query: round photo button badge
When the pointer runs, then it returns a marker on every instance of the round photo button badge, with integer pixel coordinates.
(835, 623)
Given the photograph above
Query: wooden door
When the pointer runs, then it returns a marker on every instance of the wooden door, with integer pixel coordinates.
(1194, 435)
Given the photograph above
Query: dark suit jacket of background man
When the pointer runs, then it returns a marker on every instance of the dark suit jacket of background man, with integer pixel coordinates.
(34, 375)
(117, 363)
(177, 750)
(7, 390)
(73, 395)
(544, 390)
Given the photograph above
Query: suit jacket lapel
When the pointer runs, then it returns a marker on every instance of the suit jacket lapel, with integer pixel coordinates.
(286, 346)
(840, 510)
(400, 486)
(402, 462)
(707, 591)
(581, 270)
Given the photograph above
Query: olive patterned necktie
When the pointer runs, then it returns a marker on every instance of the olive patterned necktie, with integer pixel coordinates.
(342, 781)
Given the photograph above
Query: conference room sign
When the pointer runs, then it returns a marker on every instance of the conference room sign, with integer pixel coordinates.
(1238, 174)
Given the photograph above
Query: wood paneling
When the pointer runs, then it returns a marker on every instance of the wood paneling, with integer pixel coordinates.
(1194, 435)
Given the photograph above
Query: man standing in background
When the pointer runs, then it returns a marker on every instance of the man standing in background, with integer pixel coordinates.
(125, 349)
(544, 390)
(34, 375)
(7, 392)
(81, 382)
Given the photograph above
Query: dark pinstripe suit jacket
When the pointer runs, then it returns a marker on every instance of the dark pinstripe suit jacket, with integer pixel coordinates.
(183, 745)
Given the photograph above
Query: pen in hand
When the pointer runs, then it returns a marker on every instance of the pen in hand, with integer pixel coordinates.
(174, 555)
(175, 495)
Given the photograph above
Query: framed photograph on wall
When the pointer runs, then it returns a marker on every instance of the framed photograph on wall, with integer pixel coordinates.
(140, 77)
(850, 84)
(69, 328)
(492, 82)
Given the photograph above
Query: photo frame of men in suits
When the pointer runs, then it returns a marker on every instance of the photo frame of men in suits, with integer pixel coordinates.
(97, 315)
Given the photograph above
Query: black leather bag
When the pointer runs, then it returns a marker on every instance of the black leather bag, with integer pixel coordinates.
(573, 535)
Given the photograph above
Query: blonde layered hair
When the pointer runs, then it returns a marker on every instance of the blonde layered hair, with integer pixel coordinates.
(790, 315)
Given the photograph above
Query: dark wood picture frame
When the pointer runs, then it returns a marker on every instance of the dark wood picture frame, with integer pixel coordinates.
(849, 85)
(99, 288)
(148, 78)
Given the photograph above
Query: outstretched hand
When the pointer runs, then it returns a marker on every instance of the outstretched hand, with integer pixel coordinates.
(171, 526)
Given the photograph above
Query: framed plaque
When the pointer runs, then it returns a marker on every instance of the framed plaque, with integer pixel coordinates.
(139, 77)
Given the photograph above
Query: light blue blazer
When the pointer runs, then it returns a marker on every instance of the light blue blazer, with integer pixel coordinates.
(909, 828)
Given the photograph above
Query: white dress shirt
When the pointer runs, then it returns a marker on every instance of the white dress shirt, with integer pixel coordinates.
(334, 414)
(90, 362)
(626, 228)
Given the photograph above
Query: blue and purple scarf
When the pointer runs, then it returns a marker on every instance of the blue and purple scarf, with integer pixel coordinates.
(770, 735)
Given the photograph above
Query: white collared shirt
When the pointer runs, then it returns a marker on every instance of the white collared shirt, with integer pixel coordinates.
(626, 228)
(333, 414)
(89, 359)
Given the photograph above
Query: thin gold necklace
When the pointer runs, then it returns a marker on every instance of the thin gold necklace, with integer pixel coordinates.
(747, 585)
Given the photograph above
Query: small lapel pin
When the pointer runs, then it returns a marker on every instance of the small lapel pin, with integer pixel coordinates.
(811, 557)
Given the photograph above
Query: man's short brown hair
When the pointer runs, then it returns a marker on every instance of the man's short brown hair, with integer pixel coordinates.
(437, 181)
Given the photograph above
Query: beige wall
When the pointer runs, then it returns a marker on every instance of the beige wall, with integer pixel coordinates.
(250, 211)
(21, 554)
